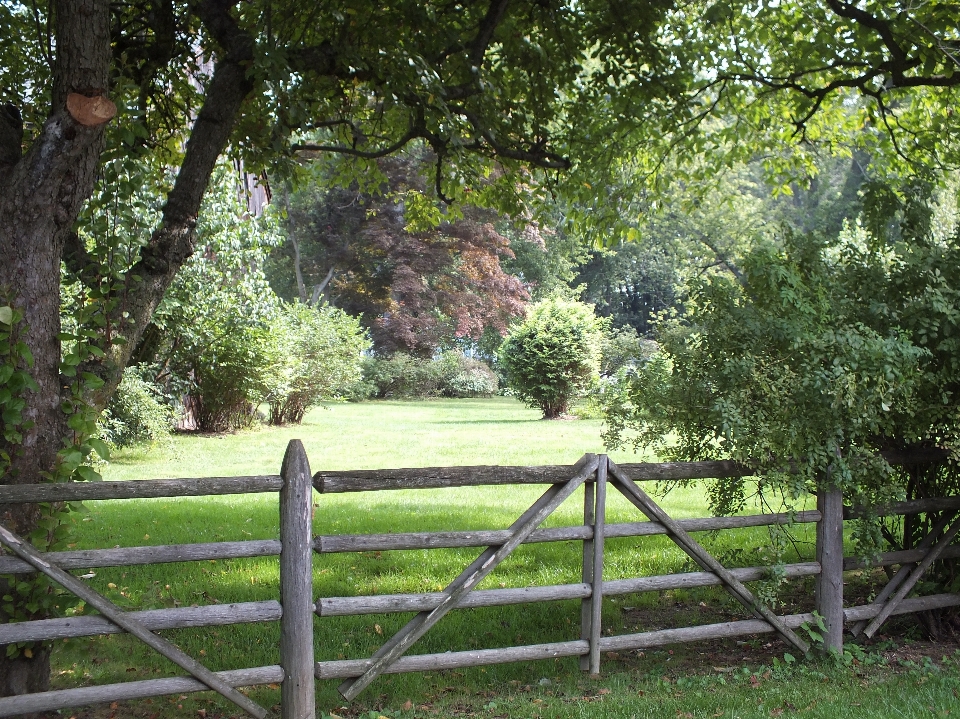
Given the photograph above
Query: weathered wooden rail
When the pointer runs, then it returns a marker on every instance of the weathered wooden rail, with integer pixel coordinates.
(828, 569)
(294, 611)
(297, 605)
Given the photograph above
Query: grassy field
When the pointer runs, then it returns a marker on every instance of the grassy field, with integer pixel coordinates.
(695, 681)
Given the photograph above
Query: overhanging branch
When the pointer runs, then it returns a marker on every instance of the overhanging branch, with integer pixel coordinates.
(411, 135)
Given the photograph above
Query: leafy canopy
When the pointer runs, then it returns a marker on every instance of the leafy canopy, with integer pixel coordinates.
(825, 353)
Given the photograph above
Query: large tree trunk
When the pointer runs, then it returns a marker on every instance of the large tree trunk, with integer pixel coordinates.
(40, 197)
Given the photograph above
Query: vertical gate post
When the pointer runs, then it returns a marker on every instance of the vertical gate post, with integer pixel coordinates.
(596, 598)
(594, 516)
(297, 693)
(586, 615)
(829, 591)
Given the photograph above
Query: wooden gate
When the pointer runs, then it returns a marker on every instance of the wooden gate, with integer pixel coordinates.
(596, 473)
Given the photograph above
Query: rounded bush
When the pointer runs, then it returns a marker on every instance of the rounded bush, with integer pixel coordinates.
(553, 355)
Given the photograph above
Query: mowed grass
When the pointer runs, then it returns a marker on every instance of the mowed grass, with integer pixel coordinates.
(408, 434)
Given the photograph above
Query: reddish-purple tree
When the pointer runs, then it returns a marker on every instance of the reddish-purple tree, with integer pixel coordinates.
(415, 290)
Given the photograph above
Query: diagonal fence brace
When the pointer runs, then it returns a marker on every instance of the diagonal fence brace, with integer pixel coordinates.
(488, 560)
(116, 615)
(897, 579)
(645, 504)
(912, 579)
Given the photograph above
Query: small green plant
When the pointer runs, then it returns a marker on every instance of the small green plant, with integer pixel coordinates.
(814, 630)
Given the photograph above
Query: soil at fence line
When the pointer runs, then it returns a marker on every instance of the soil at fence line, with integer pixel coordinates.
(726, 655)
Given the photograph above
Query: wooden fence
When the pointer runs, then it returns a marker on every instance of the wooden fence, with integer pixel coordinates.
(297, 671)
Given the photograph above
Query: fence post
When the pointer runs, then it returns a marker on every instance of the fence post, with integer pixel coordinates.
(297, 694)
(594, 516)
(586, 613)
(596, 598)
(829, 588)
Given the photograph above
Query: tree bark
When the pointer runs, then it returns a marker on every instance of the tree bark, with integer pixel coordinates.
(40, 198)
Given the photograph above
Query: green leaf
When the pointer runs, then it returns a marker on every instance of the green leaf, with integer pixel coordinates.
(6, 314)
(71, 457)
(100, 446)
(89, 474)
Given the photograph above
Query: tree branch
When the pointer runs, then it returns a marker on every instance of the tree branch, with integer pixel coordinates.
(412, 134)
(493, 18)
(879, 26)
(534, 156)
(173, 242)
(318, 289)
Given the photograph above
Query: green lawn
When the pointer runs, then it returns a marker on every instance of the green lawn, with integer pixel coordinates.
(375, 435)
(436, 433)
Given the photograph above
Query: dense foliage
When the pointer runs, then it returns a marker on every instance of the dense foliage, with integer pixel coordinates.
(138, 413)
(823, 353)
(314, 354)
(223, 342)
(403, 376)
(419, 280)
(553, 354)
(209, 335)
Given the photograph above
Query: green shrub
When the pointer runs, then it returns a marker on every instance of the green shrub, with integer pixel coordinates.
(822, 354)
(314, 355)
(138, 413)
(623, 347)
(402, 376)
(470, 378)
(229, 380)
(553, 355)
(621, 353)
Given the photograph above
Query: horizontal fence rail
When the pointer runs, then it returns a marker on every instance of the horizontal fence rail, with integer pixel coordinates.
(452, 540)
(125, 691)
(344, 668)
(208, 615)
(160, 554)
(374, 480)
(377, 480)
(139, 489)
(297, 606)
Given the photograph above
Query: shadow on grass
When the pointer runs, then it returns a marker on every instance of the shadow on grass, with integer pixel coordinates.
(483, 421)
